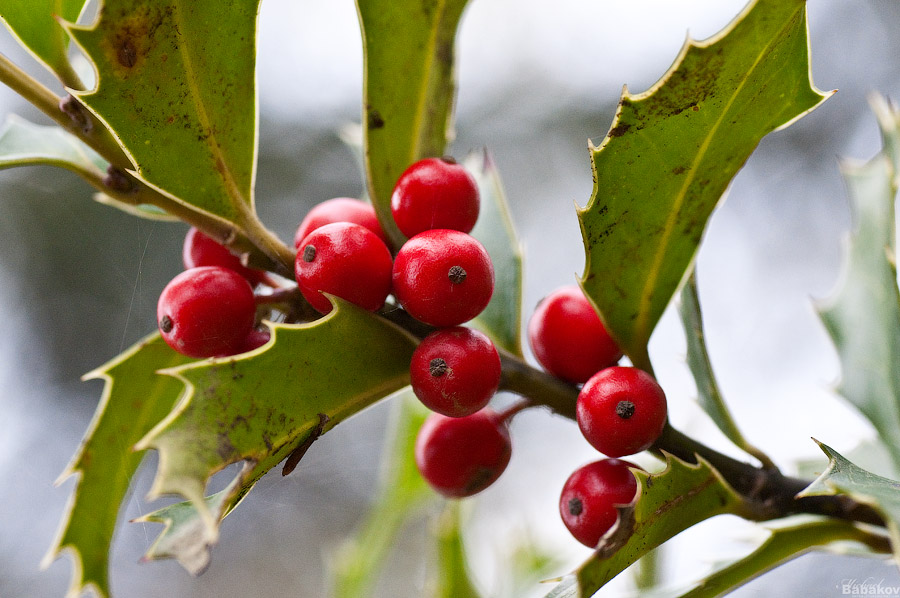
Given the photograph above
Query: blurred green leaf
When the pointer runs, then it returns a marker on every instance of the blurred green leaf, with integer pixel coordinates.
(863, 315)
(673, 150)
(35, 25)
(26, 144)
(135, 398)
(709, 396)
(501, 319)
(177, 86)
(451, 578)
(258, 408)
(530, 562)
(23, 143)
(146, 211)
(184, 523)
(409, 89)
(402, 497)
(668, 503)
(782, 544)
(882, 494)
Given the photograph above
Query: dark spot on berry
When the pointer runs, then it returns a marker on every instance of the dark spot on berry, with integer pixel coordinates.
(438, 367)
(457, 275)
(575, 506)
(625, 409)
(481, 479)
(309, 253)
(166, 324)
(448, 159)
(127, 54)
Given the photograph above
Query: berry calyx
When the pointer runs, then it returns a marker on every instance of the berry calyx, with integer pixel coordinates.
(201, 250)
(346, 260)
(461, 456)
(443, 277)
(455, 371)
(435, 193)
(339, 209)
(621, 411)
(567, 337)
(206, 312)
(589, 496)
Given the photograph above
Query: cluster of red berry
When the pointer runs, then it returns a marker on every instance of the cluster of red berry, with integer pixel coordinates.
(620, 410)
(209, 310)
(442, 277)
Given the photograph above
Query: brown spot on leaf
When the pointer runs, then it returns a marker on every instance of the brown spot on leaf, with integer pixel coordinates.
(619, 130)
(127, 53)
(374, 120)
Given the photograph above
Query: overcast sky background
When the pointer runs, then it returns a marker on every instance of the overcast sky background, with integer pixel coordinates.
(79, 282)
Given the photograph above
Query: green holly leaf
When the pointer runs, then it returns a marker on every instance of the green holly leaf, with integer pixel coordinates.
(451, 578)
(501, 319)
(134, 399)
(184, 523)
(668, 503)
(177, 87)
(261, 407)
(403, 496)
(882, 494)
(671, 153)
(709, 396)
(26, 144)
(408, 91)
(863, 315)
(35, 24)
(783, 544)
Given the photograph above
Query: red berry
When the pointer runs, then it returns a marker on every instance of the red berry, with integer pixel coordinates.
(206, 312)
(567, 337)
(435, 193)
(443, 277)
(589, 496)
(201, 250)
(455, 371)
(461, 456)
(339, 209)
(621, 411)
(256, 339)
(346, 260)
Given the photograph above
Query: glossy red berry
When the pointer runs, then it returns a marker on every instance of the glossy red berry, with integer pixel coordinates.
(443, 277)
(589, 496)
(455, 371)
(567, 337)
(206, 312)
(200, 250)
(435, 193)
(346, 260)
(256, 339)
(461, 456)
(339, 209)
(621, 411)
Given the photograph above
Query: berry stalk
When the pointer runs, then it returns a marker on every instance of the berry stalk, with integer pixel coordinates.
(769, 493)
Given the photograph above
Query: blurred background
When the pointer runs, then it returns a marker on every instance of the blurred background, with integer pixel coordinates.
(79, 283)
